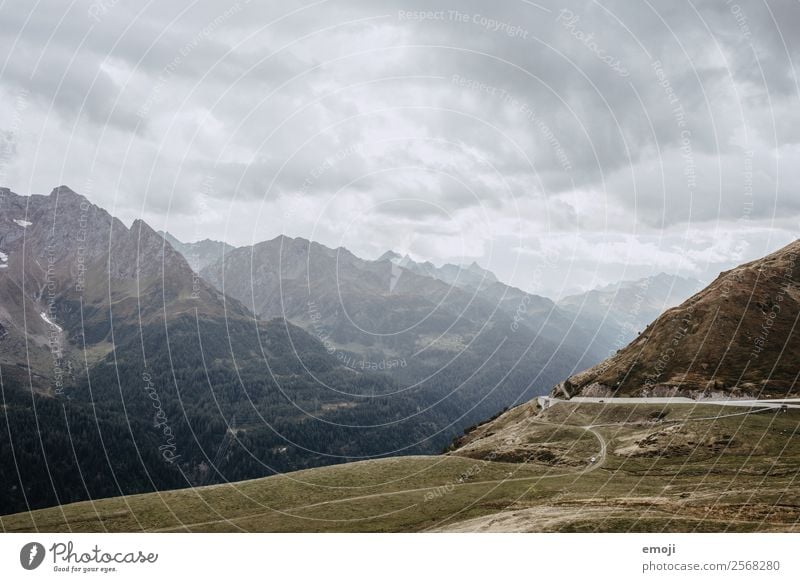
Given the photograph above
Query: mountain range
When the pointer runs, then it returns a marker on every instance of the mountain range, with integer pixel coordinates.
(124, 369)
(157, 364)
(717, 463)
(402, 314)
(621, 310)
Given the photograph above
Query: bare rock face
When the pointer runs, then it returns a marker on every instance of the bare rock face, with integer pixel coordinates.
(66, 264)
(738, 337)
(597, 390)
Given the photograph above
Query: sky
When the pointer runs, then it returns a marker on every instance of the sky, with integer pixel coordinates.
(562, 145)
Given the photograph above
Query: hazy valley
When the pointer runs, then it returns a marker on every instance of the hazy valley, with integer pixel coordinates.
(127, 367)
(133, 362)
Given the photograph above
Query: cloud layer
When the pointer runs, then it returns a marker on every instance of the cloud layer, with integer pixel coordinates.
(562, 145)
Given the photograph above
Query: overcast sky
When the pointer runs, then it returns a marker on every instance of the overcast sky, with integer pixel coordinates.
(562, 145)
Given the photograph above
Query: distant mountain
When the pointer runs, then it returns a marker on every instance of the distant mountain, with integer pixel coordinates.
(738, 336)
(469, 277)
(124, 371)
(198, 254)
(625, 308)
(484, 344)
(393, 303)
(67, 261)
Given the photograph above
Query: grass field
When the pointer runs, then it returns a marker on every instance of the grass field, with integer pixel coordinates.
(655, 468)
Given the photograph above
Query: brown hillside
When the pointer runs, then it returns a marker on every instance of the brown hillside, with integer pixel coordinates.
(738, 336)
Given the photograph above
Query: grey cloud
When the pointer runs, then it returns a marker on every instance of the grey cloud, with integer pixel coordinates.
(560, 105)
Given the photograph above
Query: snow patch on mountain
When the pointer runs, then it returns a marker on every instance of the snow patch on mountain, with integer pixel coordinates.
(50, 322)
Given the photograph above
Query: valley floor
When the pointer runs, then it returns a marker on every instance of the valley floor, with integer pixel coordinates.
(585, 466)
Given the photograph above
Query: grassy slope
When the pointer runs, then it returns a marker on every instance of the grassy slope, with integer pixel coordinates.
(665, 469)
(738, 335)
